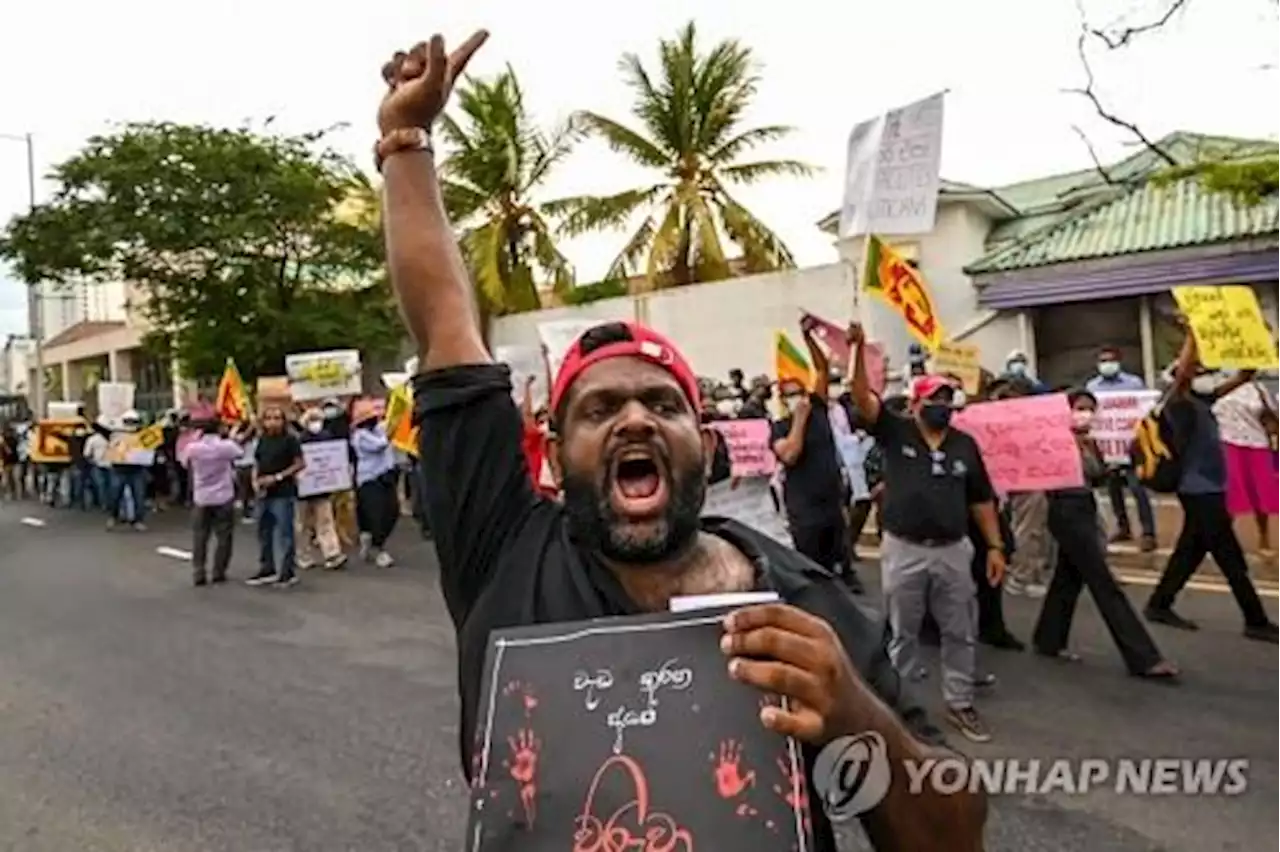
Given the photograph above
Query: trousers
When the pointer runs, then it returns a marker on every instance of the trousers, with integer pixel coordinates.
(314, 528)
(217, 522)
(917, 579)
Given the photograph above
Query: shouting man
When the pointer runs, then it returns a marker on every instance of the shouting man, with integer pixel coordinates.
(630, 454)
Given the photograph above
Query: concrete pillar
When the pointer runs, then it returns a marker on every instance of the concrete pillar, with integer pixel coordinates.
(121, 365)
(1146, 333)
(65, 368)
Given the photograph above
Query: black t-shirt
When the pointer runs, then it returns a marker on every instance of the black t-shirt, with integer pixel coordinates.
(812, 488)
(927, 492)
(75, 444)
(506, 558)
(275, 454)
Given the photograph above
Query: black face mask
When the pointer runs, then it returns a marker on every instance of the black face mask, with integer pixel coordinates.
(936, 417)
(593, 522)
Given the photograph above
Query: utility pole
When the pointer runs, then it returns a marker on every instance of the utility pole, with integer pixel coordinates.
(34, 323)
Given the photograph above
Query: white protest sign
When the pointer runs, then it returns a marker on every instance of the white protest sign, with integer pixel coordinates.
(114, 399)
(317, 375)
(558, 336)
(328, 469)
(1118, 415)
(748, 502)
(891, 179)
(525, 361)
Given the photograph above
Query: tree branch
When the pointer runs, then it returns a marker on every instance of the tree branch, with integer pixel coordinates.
(1112, 118)
(1093, 155)
(1119, 38)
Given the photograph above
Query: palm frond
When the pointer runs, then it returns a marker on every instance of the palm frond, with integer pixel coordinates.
(651, 104)
(461, 199)
(581, 214)
(550, 150)
(708, 257)
(628, 260)
(735, 146)
(762, 249)
(665, 248)
(748, 173)
(484, 247)
(624, 140)
(548, 256)
(727, 81)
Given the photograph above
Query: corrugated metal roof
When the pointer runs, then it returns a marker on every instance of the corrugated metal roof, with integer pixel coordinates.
(1152, 216)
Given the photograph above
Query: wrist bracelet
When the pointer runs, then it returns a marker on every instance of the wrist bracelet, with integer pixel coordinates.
(399, 140)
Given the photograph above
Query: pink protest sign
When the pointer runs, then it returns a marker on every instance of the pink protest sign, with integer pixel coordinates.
(748, 443)
(1026, 443)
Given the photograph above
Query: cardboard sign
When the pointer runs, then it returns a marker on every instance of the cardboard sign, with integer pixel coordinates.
(328, 469)
(525, 363)
(114, 399)
(274, 390)
(135, 448)
(1229, 329)
(1117, 417)
(963, 361)
(51, 441)
(748, 502)
(317, 375)
(748, 445)
(1026, 443)
(628, 734)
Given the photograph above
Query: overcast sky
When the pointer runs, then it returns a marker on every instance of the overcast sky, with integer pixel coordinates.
(70, 69)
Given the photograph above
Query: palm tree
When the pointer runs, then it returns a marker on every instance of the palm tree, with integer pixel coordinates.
(497, 159)
(690, 130)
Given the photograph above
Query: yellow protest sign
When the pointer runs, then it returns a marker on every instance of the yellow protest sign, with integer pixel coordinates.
(150, 438)
(1228, 325)
(399, 420)
(961, 360)
(51, 443)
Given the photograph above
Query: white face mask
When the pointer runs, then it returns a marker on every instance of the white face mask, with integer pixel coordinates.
(1017, 368)
(314, 428)
(1205, 384)
(1108, 369)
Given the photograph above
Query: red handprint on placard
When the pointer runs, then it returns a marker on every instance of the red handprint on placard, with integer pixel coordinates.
(793, 789)
(525, 693)
(731, 781)
(523, 767)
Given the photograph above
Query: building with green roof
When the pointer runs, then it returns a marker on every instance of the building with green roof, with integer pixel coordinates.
(1068, 263)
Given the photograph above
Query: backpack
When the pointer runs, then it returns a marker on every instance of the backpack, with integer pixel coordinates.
(1156, 450)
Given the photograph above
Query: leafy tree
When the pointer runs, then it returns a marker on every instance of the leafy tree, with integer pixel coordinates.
(497, 159)
(239, 243)
(690, 130)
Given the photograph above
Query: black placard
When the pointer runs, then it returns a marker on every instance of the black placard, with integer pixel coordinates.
(628, 734)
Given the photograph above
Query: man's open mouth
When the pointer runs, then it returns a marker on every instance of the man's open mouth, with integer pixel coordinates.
(638, 487)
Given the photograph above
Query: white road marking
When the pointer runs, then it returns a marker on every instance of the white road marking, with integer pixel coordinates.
(1197, 585)
(33, 522)
(174, 552)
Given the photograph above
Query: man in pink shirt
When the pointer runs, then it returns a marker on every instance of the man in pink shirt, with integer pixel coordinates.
(210, 461)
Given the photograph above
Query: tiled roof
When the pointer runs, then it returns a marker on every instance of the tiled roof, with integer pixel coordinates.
(1151, 216)
(81, 331)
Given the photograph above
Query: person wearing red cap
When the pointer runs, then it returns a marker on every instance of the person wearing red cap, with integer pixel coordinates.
(935, 483)
(630, 454)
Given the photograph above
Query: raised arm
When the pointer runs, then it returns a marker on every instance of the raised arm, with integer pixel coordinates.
(427, 270)
(821, 367)
(864, 398)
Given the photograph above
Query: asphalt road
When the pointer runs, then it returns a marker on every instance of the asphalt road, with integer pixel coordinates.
(138, 713)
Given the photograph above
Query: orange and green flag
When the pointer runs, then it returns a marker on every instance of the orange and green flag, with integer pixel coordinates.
(789, 362)
(902, 287)
(232, 404)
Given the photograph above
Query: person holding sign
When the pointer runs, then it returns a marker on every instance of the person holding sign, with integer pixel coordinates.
(935, 483)
(813, 486)
(1073, 523)
(1202, 491)
(630, 453)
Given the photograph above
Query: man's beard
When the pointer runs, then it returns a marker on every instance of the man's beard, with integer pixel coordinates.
(594, 523)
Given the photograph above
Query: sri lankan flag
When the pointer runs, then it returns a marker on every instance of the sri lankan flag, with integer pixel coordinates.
(399, 420)
(789, 363)
(898, 283)
(232, 403)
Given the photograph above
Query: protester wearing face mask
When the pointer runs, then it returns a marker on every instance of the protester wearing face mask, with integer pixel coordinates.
(1017, 367)
(338, 424)
(1082, 562)
(1111, 376)
(314, 527)
(935, 483)
(1202, 487)
(813, 486)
